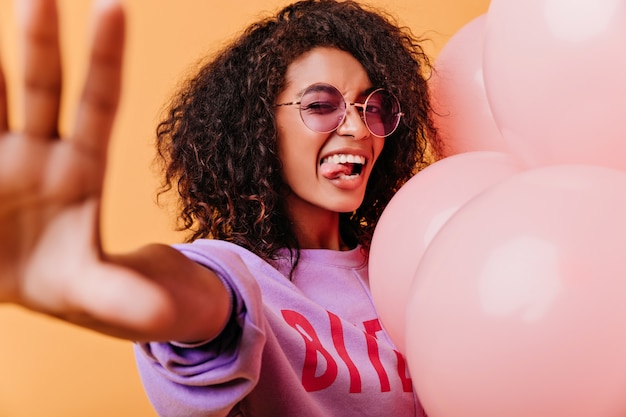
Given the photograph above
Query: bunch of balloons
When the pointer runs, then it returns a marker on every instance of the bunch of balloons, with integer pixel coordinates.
(500, 270)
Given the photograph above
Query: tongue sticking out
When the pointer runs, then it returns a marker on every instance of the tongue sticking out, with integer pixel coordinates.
(332, 171)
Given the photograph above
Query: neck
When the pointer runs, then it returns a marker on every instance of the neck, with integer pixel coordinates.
(317, 229)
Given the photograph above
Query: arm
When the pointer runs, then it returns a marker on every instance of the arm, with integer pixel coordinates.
(51, 259)
(197, 304)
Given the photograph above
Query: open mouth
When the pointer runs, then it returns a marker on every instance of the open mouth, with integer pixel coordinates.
(342, 166)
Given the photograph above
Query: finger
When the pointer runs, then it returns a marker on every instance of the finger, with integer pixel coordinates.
(4, 116)
(102, 89)
(42, 68)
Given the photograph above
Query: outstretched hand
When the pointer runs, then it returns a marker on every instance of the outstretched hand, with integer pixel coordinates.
(51, 259)
(50, 187)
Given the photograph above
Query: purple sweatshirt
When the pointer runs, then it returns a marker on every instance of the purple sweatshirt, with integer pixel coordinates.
(309, 347)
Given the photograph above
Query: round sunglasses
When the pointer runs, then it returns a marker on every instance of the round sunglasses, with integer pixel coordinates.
(323, 109)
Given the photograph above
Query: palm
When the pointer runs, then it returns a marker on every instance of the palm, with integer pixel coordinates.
(49, 195)
(50, 188)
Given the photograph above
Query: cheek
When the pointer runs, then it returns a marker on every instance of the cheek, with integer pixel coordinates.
(378, 145)
(297, 145)
(298, 150)
(299, 157)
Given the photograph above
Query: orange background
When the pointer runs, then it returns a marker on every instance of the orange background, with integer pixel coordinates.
(51, 369)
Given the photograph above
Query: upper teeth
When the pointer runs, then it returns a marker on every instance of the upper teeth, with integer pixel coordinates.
(343, 158)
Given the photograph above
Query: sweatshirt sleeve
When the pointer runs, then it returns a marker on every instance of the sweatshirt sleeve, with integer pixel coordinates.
(209, 378)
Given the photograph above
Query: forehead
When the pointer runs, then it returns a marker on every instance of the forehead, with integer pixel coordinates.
(326, 65)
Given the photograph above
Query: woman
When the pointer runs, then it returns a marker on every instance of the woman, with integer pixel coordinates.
(284, 149)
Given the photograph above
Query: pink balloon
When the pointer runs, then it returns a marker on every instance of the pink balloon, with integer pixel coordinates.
(462, 113)
(554, 77)
(414, 216)
(518, 307)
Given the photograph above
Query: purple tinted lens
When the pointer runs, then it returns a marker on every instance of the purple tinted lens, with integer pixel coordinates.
(322, 108)
(381, 113)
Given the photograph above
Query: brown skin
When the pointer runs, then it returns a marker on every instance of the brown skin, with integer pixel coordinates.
(314, 202)
(51, 256)
(246, 206)
(50, 192)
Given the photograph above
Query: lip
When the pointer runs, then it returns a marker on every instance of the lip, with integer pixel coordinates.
(348, 184)
(353, 183)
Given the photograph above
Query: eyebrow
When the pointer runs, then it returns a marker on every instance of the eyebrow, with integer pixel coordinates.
(330, 87)
(317, 87)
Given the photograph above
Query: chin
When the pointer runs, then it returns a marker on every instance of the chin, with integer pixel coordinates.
(348, 207)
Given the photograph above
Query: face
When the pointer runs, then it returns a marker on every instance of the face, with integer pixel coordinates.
(326, 171)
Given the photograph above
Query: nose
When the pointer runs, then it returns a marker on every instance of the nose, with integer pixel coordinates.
(353, 124)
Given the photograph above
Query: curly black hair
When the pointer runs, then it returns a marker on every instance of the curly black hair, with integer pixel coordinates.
(218, 140)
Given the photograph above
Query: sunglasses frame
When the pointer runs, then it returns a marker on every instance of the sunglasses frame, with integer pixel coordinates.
(362, 106)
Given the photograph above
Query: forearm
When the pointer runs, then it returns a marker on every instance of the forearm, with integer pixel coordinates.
(196, 304)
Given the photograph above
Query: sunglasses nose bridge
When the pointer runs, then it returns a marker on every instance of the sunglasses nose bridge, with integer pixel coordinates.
(351, 125)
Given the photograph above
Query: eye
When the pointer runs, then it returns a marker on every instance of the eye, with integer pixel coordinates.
(320, 107)
(375, 104)
(373, 108)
